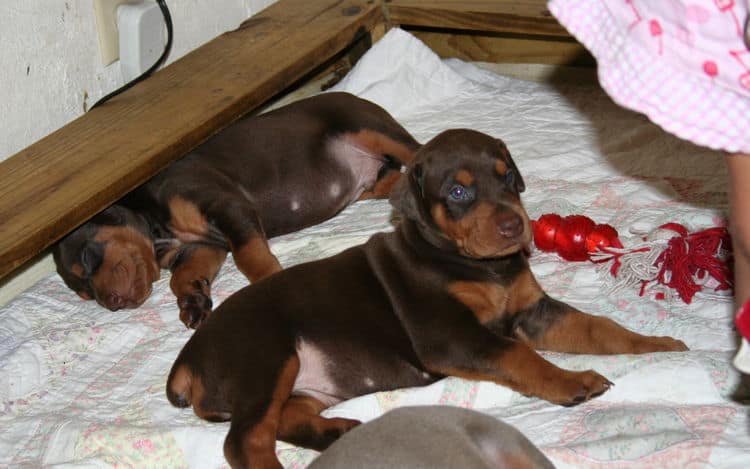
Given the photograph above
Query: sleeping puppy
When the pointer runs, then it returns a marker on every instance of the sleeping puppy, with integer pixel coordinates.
(261, 177)
(449, 292)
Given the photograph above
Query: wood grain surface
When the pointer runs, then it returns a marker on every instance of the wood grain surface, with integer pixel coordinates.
(499, 16)
(62, 180)
(497, 48)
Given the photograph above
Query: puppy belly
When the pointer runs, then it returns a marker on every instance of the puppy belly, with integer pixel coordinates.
(362, 163)
(313, 378)
(334, 372)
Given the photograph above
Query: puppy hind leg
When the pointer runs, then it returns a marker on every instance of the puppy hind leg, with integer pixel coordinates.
(251, 441)
(396, 143)
(238, 221)
(179, 386)
(302, 425)
(255, 259)
(382, 187)
(397, 154)
(185, 388)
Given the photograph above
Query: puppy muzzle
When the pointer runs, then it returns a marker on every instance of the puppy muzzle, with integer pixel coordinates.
(510, 225)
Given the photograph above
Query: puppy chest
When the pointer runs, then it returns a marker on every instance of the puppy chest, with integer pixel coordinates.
(490, 301)
(487, 301)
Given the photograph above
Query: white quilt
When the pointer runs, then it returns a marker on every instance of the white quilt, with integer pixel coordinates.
(84, 387)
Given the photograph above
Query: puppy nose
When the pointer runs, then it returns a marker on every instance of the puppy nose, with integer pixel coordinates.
(510, 225)
(115, 302)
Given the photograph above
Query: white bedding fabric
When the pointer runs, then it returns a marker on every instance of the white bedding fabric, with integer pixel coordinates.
(84, 387)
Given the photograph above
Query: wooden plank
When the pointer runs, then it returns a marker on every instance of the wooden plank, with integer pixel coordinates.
(499, 49)
(499, 16)
(59, 182)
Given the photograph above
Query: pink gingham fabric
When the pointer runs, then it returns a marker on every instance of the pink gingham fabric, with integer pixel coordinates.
(684, 64)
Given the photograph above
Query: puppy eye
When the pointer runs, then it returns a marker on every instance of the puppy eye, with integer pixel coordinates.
(459, 193)
(510, 178)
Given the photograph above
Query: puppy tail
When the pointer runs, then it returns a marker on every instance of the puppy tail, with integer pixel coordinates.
(179, 385)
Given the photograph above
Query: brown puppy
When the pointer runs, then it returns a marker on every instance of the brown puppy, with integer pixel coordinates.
(449, 292)
(261, 177)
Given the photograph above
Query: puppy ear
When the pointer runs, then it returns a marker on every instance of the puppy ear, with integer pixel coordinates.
(407, 191)
(92, 256)
(520, 185)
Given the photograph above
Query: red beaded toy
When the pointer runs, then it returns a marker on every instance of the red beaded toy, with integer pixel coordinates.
(669, 256)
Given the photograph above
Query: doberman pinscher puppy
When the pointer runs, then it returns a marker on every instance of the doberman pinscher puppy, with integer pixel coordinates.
(449, 292)
(433, 437)
(261, 177)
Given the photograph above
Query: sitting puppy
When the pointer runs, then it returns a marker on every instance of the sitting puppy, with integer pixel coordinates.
(449, 292)
(433, 437)
(261, 177)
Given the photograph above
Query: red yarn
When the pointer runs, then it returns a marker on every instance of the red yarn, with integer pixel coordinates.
(694, 256)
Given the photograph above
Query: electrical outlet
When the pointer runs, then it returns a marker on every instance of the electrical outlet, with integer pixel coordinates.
(105, 12)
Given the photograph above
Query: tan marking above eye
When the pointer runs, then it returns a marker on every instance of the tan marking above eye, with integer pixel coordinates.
(77, 270)
(501, 167)
(186, 219)
(488, 301)
(464, 178)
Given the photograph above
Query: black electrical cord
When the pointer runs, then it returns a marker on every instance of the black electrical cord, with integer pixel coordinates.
(167, 48)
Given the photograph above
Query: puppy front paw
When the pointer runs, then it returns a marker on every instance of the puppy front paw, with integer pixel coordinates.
(195, 306)
(579, 387)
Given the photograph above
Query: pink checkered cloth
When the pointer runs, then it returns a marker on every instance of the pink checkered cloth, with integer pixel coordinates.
(684, 64)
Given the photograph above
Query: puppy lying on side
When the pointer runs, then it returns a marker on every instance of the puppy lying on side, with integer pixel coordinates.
(261, 177)
(433, 437)
(449, 292)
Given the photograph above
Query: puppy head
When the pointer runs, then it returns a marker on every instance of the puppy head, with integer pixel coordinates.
(464, 186)
(109, 259)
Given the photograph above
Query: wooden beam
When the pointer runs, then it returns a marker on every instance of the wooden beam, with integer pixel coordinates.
(503, 49)
(529, 17)
(59, 182)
